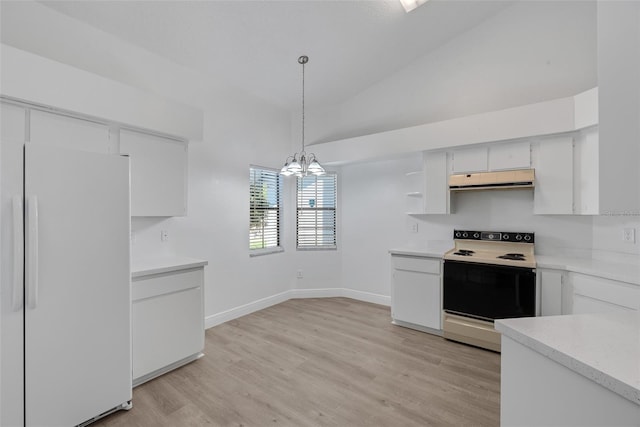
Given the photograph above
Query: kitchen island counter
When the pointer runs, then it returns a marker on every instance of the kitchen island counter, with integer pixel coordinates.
(559, 361)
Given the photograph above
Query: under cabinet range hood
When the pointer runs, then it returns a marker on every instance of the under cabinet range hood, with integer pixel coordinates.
(500, 180)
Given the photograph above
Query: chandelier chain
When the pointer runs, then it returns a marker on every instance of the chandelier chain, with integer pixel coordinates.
(301, 164)
(304, 61)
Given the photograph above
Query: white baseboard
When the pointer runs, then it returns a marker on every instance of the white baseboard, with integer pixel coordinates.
(368, 297)
(243, 310)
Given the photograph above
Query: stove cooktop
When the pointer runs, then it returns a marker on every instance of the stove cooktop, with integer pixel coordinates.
(493, 247)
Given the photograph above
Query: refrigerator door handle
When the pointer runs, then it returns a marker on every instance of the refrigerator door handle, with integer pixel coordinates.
(18, 254)
(32, 252)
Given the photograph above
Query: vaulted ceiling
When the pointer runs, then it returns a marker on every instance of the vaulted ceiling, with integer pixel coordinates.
(254, 45)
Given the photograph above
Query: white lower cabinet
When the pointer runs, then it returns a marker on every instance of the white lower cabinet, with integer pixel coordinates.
(416, 300)
(553, 294)
(167, 321)
(593, 294)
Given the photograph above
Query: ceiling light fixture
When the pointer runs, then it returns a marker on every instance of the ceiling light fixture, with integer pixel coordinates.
(409, 5)
(302, 164)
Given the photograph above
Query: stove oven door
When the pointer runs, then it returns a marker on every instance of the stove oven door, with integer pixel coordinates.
(487, 291)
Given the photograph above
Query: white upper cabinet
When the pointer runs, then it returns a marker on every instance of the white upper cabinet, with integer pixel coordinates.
(436, 188)
(586, 185)
(553, 163)
(70, 132)
(469, 160)
(512, 155)
(158, 174)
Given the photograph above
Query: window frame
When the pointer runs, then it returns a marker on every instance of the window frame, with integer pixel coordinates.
(335, 214)
(253, 252)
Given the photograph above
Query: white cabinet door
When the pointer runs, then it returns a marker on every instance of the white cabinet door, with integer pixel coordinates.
(436, 194)
(417, 298)
(550, 292)
(511, 155)
(416, 295)
(586, 186)
(469, 160)
(553, 163)
(69, 132)
(168, 320)
(158, 174)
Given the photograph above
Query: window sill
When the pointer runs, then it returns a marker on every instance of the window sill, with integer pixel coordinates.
(268, 251)
(325, 248)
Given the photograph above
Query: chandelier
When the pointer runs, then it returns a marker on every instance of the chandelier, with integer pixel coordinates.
(302, 164)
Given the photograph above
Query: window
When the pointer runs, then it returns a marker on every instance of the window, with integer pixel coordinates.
(264, 210)
(316, 212)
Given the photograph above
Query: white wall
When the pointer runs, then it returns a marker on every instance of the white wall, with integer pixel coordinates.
(237, 133)
(373, 221)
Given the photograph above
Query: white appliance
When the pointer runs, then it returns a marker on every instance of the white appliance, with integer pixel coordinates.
(488, 275)
(65, 348)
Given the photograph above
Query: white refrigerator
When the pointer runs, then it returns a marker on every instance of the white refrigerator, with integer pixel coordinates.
(65, 347)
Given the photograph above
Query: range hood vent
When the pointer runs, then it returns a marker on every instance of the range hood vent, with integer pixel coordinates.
(501, 180)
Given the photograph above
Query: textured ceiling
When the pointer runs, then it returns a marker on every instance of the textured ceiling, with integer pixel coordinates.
(255, 44)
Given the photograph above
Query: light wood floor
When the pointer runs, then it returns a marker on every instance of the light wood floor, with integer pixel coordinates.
(322, 362)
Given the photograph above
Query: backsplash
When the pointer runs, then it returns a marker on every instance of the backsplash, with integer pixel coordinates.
(146, 237)
(607, 237)
(510, 210)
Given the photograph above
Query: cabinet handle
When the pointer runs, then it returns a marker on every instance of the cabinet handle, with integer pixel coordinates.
(32, 252)
(18, 254)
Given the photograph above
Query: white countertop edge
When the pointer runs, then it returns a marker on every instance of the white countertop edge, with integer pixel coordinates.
(427, 249)
(628, 391)
(164, 264)
(426, 253)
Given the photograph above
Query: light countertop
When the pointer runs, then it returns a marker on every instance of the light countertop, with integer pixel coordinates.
(163, 264)
(604, 348)
(623, 271)
(432, 249)
(628, 271)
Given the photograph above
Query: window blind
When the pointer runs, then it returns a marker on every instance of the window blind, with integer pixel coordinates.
(316, 212)
(264, 208)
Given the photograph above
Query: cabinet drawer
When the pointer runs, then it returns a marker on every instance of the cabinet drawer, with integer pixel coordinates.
(604, 290)
(419, 264)
(150, 286)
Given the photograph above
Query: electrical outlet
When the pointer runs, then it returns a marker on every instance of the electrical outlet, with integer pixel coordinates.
(629, 235)
(164, 235)
(299, 274)
(412, 227)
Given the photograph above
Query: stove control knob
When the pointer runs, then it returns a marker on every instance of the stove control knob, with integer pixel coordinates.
(505, 236)
(518, 237)
(458, 234)
(476, 235)
(527, 237)
(465, 235)
(490, 236)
